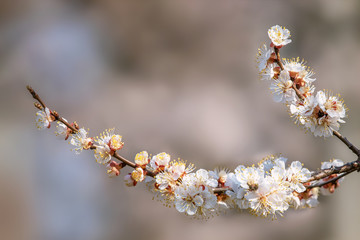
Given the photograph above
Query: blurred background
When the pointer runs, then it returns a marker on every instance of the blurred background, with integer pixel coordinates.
(176, 76)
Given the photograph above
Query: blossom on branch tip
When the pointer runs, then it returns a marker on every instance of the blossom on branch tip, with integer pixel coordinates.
(279, 36)
(43, 119)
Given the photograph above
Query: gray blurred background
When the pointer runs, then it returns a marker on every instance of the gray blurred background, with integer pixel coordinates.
(175, 76)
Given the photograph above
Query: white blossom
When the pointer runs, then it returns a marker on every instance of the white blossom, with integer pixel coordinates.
(43, 119)
(194, 200)
(61, 129)
(171, 175)
(282, 88)
(268, 73)
(102, 153)
(334, 107)
(81, 141)
(106, 145)
(200, 178)
(296, 175)
(262, 57)
(268, 199)
(142, 158)
(249, 178)
(160, 161)
(279, 35)
(138, 174)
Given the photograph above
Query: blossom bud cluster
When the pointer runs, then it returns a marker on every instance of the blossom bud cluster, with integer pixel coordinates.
(291, 83)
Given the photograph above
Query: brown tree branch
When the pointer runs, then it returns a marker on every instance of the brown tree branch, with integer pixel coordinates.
(347, 143)
(348, 167)
(278, 60)
(333, 180)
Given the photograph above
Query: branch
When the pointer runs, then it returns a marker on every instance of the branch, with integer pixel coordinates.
(203, 192)
(75, 130)
(333, 180)
(347, 143)
(346, 168)
(278, 60)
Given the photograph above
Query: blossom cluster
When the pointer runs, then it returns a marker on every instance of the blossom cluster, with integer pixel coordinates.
(271, 188)
(291, 83)
(267, 189)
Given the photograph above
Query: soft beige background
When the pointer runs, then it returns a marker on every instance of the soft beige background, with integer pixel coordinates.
(175, 76)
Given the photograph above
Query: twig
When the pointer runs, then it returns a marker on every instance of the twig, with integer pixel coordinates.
(347, 143)
(297, 91)
(35, 96)
(320, 184)
(348, 167)
(278, 60)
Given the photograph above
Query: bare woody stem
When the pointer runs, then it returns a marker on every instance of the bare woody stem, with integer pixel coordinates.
(74, 130)
(35, 96)
(348, 167)
(278, 60)
(131, 164)
(54, 114)
(333, 180)
(347, 143)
